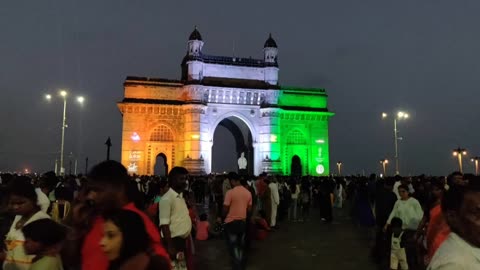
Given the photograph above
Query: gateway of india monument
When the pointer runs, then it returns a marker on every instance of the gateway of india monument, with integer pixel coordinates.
(278, 129)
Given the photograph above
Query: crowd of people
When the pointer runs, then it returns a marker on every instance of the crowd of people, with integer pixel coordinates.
(112, 220)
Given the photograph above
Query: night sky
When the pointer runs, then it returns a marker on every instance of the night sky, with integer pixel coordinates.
(371, 56)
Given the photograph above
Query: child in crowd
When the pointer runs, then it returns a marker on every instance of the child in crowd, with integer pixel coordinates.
(261, 226)
(44, 238)
(203, 228)
(398, 254)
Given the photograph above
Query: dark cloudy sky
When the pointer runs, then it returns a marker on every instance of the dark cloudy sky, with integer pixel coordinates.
(371, 56)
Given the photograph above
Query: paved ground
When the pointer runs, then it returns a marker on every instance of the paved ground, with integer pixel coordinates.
(310, 245)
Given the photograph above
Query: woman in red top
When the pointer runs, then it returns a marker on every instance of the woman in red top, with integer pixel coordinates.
(437, 229)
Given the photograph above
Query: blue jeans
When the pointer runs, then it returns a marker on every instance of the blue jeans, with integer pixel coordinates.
(235, 236)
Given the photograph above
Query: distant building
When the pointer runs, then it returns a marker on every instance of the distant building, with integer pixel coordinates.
(176, 119)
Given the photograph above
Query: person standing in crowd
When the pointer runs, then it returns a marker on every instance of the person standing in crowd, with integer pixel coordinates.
(203, 228)
(434, 227)
(461, 250)
(175, 222)
(384, 201)
(23, 202)
(61, 206)
(325, 196)
(339, 193)
(44, 239)
(261, 186)
(107, 190)
(397, 250)
(295, 192)
(226, 186)
(42, 195)
(275, 201)
(305, 199)
(409, 210)
(237, 204)
(126, 243)
(456, 179)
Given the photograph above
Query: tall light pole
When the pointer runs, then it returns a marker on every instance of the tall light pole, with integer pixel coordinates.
(64, 95)
(339, 167)
(475, 161)
(399, 116)
(384, 163)
(459, 152)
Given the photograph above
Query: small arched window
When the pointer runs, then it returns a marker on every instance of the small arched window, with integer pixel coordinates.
(296, 137)
(161, 134)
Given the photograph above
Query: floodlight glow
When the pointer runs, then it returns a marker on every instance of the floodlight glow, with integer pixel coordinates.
(406, 116)
(464, 153)
(80, 99)
(195, 136)
(320, 141)
(135, 137)
(384, 115)
(455, 153)
(273, 138)
(63, 93)
(400, 114)
(48, 96)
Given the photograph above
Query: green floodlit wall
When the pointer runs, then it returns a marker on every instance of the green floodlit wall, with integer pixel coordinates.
(305, 97)
(303, 129)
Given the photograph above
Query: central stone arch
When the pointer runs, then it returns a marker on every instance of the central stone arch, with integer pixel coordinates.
(225, 152)
(243, 132)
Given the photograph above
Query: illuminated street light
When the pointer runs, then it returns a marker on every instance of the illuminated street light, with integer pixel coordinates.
(384, 163)
(399, 116)
(475, 161)
(339, 167)
(459, 152)
(64, 94)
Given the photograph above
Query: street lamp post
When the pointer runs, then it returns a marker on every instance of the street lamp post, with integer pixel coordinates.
(475, 161)
(399, 116)
(63, 93)
(339, 167)
(459, 152)
(384, 163)
(80, 100)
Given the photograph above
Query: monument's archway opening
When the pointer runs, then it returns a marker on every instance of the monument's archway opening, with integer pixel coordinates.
(296, 166)
(161, 165)
(231, 138)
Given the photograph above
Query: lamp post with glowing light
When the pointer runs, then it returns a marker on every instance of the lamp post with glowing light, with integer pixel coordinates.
(384, 163)
(399, 116)
(339, 167)
(64, 95)
(459, 152)
(475, 161)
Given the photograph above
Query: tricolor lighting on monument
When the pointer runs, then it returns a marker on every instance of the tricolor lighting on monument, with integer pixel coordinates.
(287, 126)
